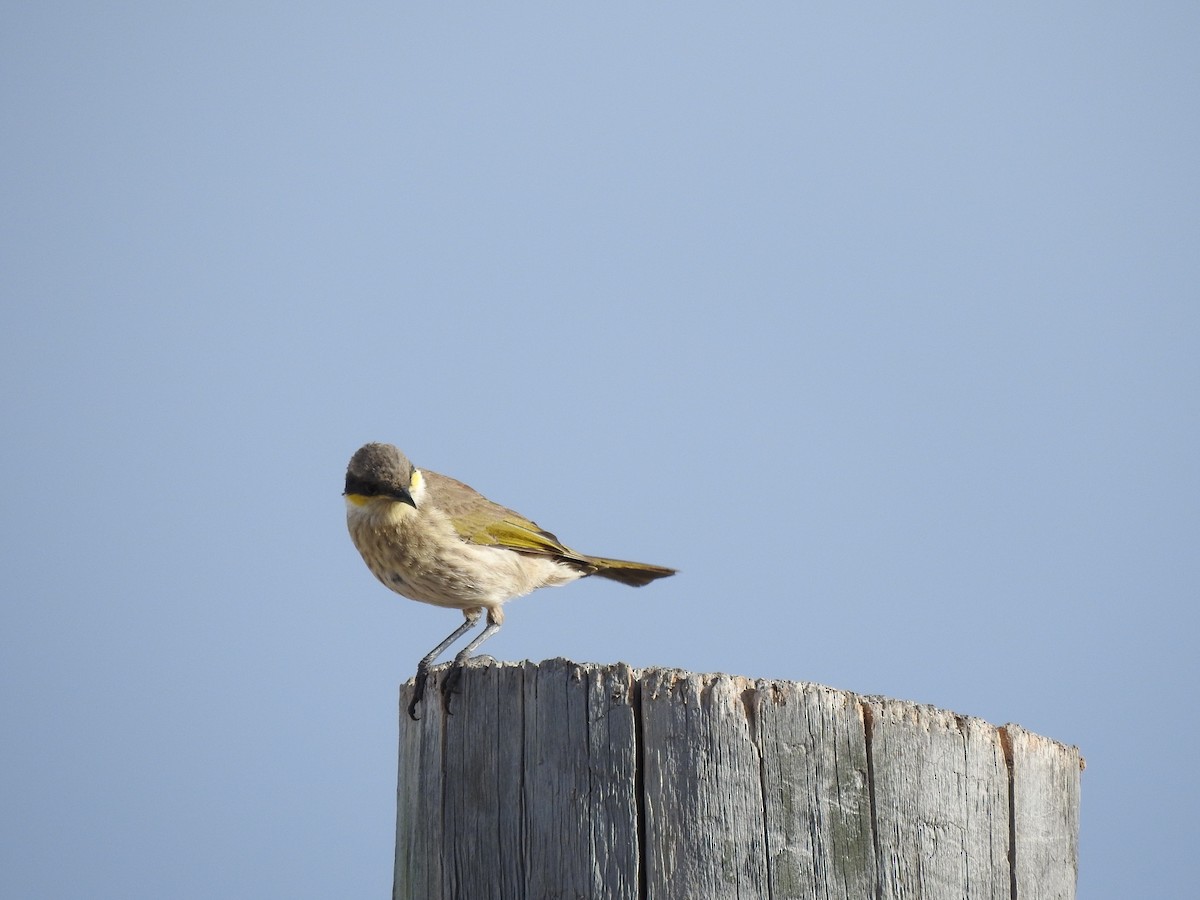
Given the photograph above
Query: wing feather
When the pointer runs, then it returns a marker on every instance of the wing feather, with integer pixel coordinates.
(480, 521)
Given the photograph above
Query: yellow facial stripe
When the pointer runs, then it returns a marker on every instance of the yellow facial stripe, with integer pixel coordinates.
(414, 483)
(357, 499)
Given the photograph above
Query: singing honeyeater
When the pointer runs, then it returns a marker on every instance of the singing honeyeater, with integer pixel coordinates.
(434, 539)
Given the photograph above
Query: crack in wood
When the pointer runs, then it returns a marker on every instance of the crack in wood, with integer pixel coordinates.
(1006, 744)
(639, 785)
(868, 720)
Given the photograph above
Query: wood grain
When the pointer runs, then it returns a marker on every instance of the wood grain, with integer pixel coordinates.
(562, 780)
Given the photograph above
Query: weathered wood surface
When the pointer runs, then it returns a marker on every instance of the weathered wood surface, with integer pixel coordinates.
(560, 780)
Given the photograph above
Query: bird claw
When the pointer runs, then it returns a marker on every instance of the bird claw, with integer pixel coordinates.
(417, 693)
(449, 688)
(450, 685)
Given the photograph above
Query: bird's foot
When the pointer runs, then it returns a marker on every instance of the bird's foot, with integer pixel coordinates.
(450, 684)
(418, 691)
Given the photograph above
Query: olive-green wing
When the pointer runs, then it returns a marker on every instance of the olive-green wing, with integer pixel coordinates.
(480, 521)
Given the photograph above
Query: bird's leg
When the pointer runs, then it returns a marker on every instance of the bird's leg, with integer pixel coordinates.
(472, 616)
(495, 618)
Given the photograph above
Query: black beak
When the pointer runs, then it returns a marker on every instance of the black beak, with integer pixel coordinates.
(400, 495)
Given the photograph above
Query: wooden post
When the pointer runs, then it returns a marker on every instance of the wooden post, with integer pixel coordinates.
(559, 780)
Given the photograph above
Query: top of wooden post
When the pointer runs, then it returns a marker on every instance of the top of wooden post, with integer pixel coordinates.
(565, 779)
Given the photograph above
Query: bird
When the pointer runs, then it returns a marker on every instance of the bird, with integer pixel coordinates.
(433, 539)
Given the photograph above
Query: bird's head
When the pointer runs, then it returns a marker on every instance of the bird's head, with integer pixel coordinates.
(380, 473)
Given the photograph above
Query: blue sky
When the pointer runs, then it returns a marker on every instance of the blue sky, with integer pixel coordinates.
(881, 324)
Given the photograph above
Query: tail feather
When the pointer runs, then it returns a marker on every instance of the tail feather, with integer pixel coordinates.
(634, 574)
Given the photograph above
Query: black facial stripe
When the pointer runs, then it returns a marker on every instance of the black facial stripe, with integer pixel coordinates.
(357, 485)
